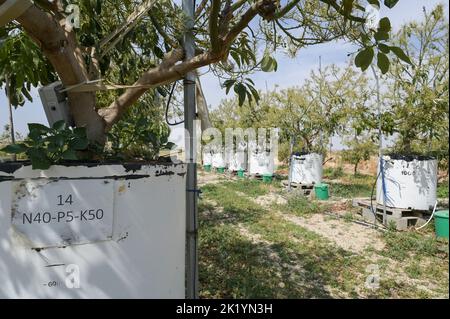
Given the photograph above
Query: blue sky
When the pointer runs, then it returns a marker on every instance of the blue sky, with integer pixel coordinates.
(291, 72)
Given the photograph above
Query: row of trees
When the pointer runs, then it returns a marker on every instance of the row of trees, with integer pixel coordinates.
(342, 101)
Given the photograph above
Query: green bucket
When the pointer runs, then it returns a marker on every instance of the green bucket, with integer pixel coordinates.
(240, 173)
(207, 168)
(321, 191)
(441, 223)
(221, 170)
(267, 178)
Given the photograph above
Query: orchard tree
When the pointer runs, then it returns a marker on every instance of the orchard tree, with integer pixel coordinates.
(418, 92)
(359, 133)
(140, 43)
(332, 101)
(312, 114)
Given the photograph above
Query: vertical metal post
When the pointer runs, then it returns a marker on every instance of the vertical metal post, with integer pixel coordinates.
(11, 118)
(291, 151)
(190, 158)
(322, 148)
(380, 137)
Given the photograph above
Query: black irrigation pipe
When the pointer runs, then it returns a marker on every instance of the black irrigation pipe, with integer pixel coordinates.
(374, 226)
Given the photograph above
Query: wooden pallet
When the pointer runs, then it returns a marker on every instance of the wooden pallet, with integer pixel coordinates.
(297, 185)
(304, 189)
(258, 177)
(402, 218)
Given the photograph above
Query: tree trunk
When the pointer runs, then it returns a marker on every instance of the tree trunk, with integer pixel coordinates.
(355, 169)
(60, 46)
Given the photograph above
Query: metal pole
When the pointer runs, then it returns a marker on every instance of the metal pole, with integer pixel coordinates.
(291, 163)
(190, 158)
(322, 148)
(11, 118)
(380, 137)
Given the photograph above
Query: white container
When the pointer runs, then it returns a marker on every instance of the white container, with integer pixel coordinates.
(207, 158)
(409, 183)
(218, 160)
(237, 159)
(307, 168)
(92, 231)
(261, 163)
(238, 162)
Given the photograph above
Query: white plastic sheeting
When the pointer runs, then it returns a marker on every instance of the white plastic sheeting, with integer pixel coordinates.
(139, 251)
(237, 158)
(238, 161)
(207, 158)
(218, 159)
(307, 168)
(261, 163)
(409, 184)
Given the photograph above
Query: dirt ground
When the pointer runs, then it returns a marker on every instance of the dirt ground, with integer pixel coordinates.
(336, 227)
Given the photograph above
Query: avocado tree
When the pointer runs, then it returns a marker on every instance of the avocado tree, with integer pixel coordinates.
(139, 45)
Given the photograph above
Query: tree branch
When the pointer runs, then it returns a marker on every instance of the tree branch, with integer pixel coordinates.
(170, 70)
(288, 7)
(214, 25)
(60, 47)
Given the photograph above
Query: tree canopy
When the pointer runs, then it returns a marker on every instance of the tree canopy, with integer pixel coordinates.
(139, 43)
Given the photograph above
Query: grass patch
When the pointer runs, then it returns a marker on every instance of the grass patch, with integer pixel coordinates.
(333, 172)
(442, 190)
(249, 187)
(350, 190)
(401, 245)
(288, 261)
(247, 251)
(301, 206)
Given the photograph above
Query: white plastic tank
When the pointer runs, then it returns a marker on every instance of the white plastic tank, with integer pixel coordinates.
(307, 168)
(218, 159)
(261, 163)
(410, 182)
(207, 158)
(237, 159)
(92, 231)
(238, 162)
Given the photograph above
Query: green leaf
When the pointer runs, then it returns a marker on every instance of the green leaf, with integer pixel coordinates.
(162, 91)
(15, 149)
(228, 84)
(364, 58)
(383, 62)
(400, 54)
(38, 158)
(98, 7)
(79, 144)
(385, 25)
(384, 48)
(36, 127)
(390, 3)
(59, 125)
(158, 52)
(268, 64)
(57, 140)
(80, 132)
(381, 35)
(236, 57)
(70, 155)
(241, 91)
(254, 93)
